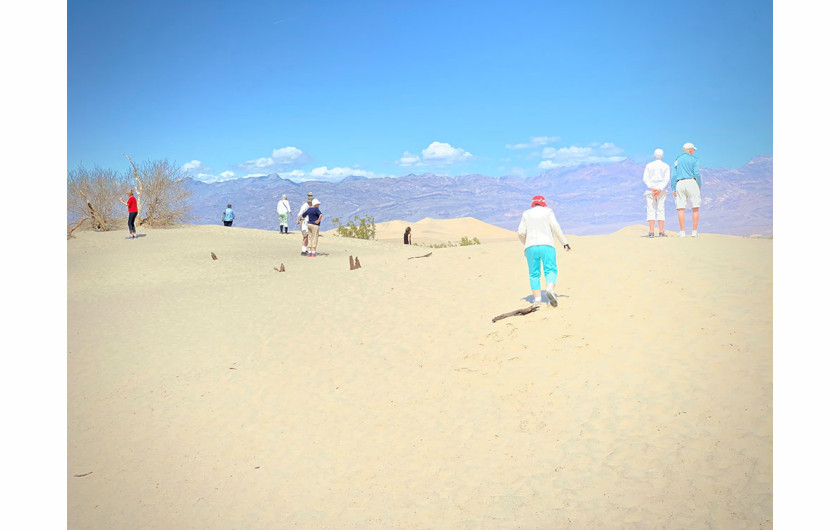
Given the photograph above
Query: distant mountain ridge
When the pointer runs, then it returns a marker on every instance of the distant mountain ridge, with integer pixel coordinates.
(588, 200)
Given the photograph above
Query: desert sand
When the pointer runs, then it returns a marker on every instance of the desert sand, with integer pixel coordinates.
(207, 394)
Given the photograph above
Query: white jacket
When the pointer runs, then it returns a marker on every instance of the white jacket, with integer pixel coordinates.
(657, 176)
(283, 206)
(539, 226)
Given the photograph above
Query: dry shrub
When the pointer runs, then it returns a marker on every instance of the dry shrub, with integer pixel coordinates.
(165, 199)
(94, 194)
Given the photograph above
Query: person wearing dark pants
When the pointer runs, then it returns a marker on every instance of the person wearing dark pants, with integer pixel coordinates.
(132, 213)
(228, 216)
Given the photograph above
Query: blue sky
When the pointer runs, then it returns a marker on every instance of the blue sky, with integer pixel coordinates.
(322, 90)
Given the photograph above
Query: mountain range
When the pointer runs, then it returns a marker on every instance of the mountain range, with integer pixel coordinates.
(589, 199)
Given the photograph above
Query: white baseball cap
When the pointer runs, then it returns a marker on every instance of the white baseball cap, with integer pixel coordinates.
(688, 146)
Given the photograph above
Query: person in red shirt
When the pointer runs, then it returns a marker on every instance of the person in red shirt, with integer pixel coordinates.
(132, 213)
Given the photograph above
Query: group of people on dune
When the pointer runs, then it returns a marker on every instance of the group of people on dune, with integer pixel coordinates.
(538, 226)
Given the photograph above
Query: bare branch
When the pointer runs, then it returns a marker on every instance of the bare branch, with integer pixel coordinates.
(75, 226)
(93, 213)
(139, 186)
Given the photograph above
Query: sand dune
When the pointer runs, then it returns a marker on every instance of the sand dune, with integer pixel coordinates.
(223, 394)
(441, 231)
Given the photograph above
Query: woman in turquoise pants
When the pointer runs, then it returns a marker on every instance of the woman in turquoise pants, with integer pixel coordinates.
(537, 231)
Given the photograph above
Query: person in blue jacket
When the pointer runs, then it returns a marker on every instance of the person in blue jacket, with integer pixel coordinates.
(228, 216)
(685, 181)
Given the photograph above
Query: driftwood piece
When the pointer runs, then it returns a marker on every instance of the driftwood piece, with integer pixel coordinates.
(423, 256)
(517, 312)
(358, 265)
(213, 255)
(92, 212)
(75, 226)
(281, 269)
(352, 265)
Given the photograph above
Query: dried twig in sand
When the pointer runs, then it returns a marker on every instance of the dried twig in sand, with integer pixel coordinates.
(423, 256)
(517, 312)
(213, 255)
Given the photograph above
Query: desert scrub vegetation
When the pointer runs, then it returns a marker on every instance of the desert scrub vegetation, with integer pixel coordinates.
(93, 196)
(465, 241)
(358, 228)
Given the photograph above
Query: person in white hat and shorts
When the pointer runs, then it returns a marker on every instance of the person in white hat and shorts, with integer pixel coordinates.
(685, 181)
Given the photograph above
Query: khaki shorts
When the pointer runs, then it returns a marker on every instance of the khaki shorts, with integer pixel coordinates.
(313, 236)
(687, 192)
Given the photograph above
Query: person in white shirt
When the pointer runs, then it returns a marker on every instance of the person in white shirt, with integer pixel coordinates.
(657, 177)
(304, 226)
(283, 212)
(537, 231)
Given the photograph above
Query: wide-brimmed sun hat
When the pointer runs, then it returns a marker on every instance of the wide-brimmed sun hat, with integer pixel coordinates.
(316, 202)
(538, 200)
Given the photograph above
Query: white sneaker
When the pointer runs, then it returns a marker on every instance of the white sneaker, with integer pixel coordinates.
(694, 233)
(682, 234)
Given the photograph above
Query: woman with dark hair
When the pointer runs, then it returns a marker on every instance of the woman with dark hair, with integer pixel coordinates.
(132, 213)
(537, 231)
(407, 236)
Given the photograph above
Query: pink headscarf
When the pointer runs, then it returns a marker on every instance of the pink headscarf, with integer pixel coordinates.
(538, 200)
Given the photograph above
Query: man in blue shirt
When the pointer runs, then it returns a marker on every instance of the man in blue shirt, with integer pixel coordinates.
(685, 181)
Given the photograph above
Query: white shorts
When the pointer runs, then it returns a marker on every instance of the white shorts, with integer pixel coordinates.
(687, 191)
(656, 207)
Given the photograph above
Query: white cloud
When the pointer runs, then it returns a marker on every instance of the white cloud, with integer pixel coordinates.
(191, 166)
(259, 163)
(576, 155)
(338, 173)
(408, 159)
(209, 177)
(284, 157)
(288, 156)
(534, 142)
(437, 154)
(443, 153)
